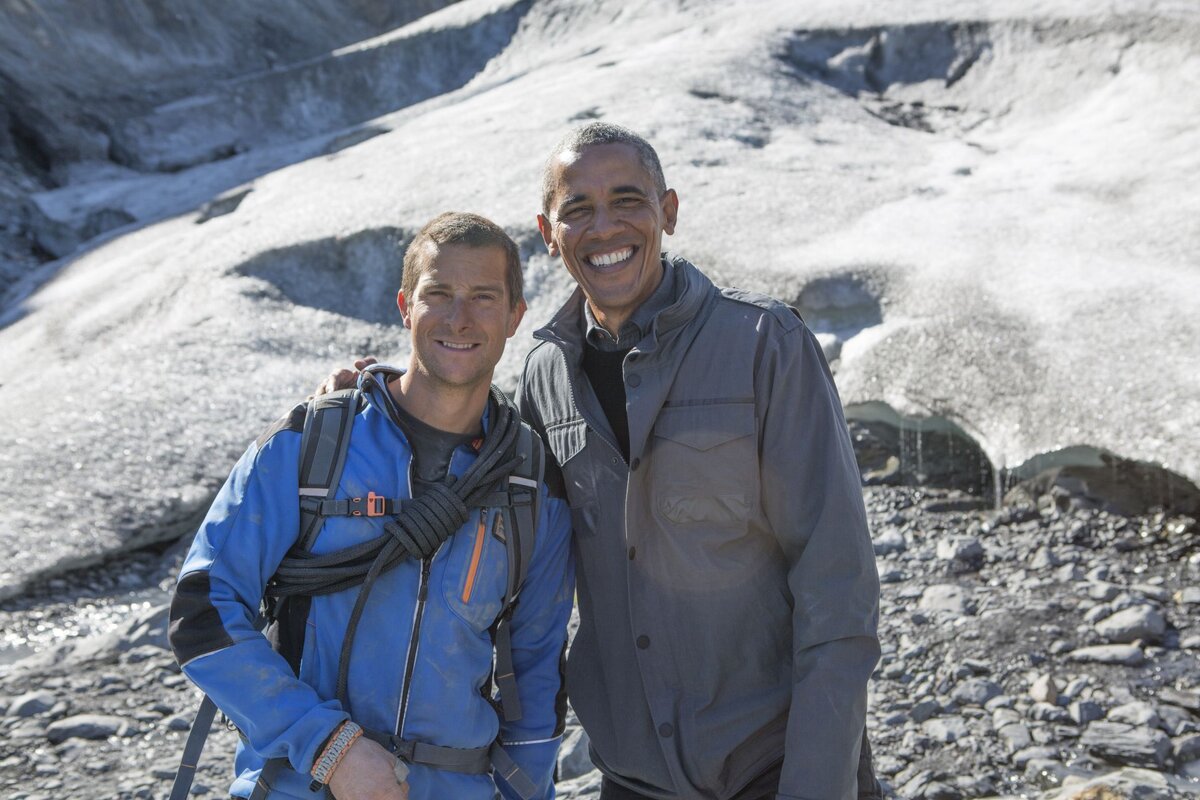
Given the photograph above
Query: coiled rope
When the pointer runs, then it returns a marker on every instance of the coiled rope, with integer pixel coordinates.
(417, 531)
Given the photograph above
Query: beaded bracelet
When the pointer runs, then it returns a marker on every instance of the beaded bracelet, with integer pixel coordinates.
(335, 750)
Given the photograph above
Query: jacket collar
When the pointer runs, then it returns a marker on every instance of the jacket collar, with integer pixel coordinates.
(692, 288)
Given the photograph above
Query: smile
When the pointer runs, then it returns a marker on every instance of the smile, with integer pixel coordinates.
(458, 345)
(610, 259)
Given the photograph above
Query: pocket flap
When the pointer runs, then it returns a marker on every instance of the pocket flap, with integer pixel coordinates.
(703, 427)
(566, 439)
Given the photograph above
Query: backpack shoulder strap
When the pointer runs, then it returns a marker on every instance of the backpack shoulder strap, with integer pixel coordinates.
(524, 492)
(324, 442)
(323, 447)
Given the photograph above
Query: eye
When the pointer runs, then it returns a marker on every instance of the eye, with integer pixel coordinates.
(628, 202)
(578, 212)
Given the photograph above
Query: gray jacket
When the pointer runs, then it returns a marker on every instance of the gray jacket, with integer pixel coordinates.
(727, 588)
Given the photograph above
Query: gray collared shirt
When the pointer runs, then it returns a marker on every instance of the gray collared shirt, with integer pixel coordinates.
(638, 324)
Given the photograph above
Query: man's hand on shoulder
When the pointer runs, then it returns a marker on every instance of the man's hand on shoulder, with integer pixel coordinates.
(367, 772)
(344, 378)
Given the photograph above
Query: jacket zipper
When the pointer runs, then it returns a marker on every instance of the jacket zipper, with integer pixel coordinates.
(414, 644)
(574, 404)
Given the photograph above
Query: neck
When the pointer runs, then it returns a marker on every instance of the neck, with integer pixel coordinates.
(450, 409)
(611, 321)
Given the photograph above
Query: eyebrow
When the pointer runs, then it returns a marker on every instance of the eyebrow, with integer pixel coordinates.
(475, 287)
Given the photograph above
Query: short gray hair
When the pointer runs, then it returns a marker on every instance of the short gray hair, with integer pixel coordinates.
(601, 133)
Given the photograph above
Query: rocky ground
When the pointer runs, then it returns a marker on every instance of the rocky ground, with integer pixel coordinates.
(1024, 650)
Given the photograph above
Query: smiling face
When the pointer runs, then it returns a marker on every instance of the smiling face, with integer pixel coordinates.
(606, 218)
(460, 315)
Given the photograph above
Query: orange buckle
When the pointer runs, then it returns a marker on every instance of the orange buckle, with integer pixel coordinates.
(376, 505)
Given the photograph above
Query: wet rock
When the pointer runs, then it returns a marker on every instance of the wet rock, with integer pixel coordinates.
(1127, 745)
(1177, 721)
(1016, 736)
(945, 729)
(1186, 748)
(1084, 711)
(1135, 713)
(1124, 654)
(1132, 624)
(889, 541)
(948, 598)
(1177, 697)
(31, 703)
(87, 726)
(975, 692)
(1044, 689)
(924, 710)
(964, 554)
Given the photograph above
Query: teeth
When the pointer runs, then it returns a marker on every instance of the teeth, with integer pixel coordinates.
(458, 346)
(608, 259)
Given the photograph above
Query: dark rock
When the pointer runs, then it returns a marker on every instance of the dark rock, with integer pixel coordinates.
(924, 710)
(1126, 744)
(975, 692)
(1085, 711)
(1139, 622)
(1048, 712)
(87, 726)
(1124, 654)
(1184, 699)
(31, 703)
(1187, 748)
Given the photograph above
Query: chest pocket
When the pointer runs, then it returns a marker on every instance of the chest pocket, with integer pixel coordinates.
(567, 441)
(705, 464)
(477, 571)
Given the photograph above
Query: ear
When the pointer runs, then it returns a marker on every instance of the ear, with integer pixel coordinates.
(518, 314)
(670, 209)
(547, 232)
(405, 314)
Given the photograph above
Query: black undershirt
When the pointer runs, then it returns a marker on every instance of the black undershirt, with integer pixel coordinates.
(432, 448)
(603, 370)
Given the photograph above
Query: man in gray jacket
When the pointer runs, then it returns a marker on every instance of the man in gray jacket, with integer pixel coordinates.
(727, 588)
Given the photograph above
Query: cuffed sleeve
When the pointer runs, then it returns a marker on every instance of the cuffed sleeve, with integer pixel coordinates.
(539, 640)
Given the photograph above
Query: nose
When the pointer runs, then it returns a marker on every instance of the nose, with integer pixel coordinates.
(604, 222)
(458, 315)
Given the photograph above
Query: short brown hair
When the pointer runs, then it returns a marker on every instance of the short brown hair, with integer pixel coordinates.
(458, 227)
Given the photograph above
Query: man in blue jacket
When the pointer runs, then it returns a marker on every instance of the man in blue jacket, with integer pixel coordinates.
(421, 660)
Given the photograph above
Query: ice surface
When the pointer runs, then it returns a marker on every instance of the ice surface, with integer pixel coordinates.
(993, 215)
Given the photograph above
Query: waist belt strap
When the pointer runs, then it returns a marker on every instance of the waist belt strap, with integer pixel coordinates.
(472, 761)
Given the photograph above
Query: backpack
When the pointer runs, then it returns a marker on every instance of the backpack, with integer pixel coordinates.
(324, 443)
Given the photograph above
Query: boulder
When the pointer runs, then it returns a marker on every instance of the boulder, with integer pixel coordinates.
(1127, 744)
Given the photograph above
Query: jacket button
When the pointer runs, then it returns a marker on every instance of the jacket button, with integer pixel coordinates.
(665, 730)
(633, 465)
(634, 381)
(632, 553)
(643, 642)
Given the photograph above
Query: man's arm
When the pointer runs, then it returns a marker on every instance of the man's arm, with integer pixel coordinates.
(539, 641)
(251, 525)
(812, 495)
